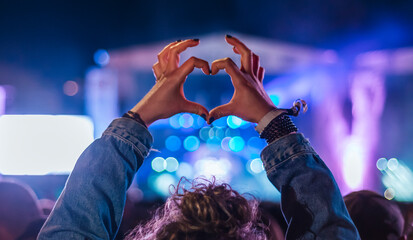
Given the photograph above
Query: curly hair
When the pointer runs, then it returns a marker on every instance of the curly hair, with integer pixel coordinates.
(206, 210)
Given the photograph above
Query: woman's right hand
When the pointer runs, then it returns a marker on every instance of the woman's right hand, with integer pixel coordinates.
(250, 101)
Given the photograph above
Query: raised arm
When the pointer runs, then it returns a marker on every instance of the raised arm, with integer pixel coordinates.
(310, 199)
(91, 204)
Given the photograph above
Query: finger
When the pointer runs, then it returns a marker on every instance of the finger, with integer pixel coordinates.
(196, 108)
(157, 70)
(219, 112)
(163, 55)
(173, 60)
(230, 67)
(246, 54)
(261, 73)
(255, 64)
(235, 50)
(189, 65)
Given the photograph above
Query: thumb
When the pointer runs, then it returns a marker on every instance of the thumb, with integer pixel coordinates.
(196, 108)
(219, 112)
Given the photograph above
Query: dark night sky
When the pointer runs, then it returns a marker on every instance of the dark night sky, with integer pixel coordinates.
(59, 38)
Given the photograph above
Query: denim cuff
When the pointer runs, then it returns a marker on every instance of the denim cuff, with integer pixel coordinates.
(284, 149)
(133, 132)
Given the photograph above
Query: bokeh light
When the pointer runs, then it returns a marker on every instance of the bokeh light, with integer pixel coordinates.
(222, 122)
(173, 143)
(186, 120)
(162, 183)
(174, 121)
(158, 164)
(231, 132)
(399, 179)
(256, 144)
(198, 121)
(381, 164)
(234, 121)
(101, 57)
(204, 133)
(213, 144)
(225, 144)
(216, 132)
(392, 164)
(210, 166)
(389, 194)
(171, 164)
(256, 166)
(70, 88)
(191, 143)
(236, 144)
(185, 170)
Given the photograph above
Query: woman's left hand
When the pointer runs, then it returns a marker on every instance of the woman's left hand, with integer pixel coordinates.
(166, 98)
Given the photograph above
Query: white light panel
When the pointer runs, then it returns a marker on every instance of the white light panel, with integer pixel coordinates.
(42, 144)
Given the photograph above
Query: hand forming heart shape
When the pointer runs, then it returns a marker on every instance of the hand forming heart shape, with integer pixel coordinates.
(249, 102)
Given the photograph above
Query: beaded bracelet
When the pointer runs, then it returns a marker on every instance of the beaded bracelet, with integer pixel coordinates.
(135, 116)
(278, 127)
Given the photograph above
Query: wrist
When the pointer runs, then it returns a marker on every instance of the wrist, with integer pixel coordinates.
(266, 119)
(134, 116)
(144, 115)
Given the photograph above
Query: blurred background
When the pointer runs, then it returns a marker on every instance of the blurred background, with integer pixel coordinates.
(67, 68)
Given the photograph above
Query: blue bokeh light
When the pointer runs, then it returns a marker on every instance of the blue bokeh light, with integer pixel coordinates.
(191, 143)
(101, 57)
(173, 143)
(198, 121)
(256, 166)
(222, 122)
(186, 120)
(171, 164)
(225, 144)
(158, 164)
(204, 133)
(161, 183)
(185, 170)
(255, 144)
(231, 132)
(174, 121)
(216, 132)
(213, 144)
(234, 122)
(236, 144)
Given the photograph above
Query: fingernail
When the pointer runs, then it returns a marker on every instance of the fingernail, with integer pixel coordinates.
(211, 120)
(179, 40)
(195, 39)
(228, 36)
(203, 116)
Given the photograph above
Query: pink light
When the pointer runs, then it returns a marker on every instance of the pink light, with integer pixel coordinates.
(367, 94)
(354, 164)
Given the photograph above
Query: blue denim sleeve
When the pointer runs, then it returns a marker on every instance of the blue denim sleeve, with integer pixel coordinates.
(91, 204)
(311, 201)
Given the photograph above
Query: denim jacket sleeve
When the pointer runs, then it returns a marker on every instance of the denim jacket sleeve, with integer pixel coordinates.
(91, 204)
(311, 201)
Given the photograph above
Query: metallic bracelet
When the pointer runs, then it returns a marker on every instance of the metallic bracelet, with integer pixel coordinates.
(135, 116)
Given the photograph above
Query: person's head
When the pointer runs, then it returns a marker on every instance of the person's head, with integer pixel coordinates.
(374, 216)
(18, 209)
(206, 210)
